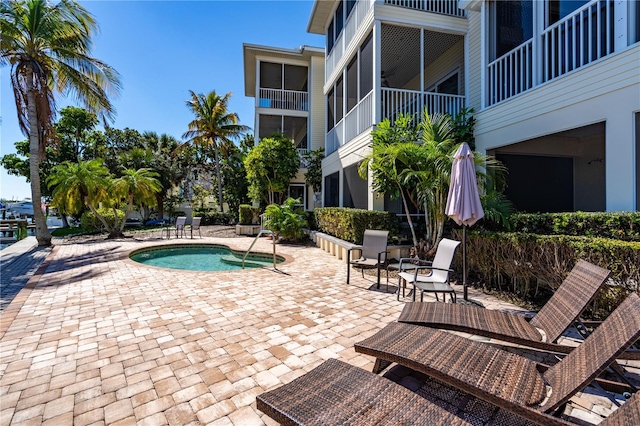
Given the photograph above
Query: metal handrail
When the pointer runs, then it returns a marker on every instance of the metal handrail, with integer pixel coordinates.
(273, 239)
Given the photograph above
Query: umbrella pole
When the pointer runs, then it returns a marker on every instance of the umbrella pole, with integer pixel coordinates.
(464, 262)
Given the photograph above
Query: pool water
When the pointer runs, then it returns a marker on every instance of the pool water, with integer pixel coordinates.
(201, 258)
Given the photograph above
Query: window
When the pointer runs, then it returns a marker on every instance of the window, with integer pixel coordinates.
(330, 37)
(339, 99)
(511, 25)
(295, 78)
(366, 67)
(268, 125)
(449, 85)
(299, 192)
(330, 110)
(270, 75)
(352, 84)
(350, 5)
(339, 19)
(558, 9)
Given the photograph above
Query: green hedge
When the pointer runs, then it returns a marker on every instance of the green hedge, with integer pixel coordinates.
(248, 215)
(622, 226)
(90, 223)
(349, 224)
(215, 218)
(523, 263)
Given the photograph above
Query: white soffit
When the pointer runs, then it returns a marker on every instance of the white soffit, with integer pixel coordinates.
(470, 4)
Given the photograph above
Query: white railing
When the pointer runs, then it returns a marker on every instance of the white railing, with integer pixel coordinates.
(331, 142)
(303, 161)
(511, 73)
(413, 102)
(360, 118)
(573, 42)
(354, 20)
(578, 39)
(283, 99)
(445, 7)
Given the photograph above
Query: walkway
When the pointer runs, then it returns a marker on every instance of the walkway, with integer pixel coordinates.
(99, 339)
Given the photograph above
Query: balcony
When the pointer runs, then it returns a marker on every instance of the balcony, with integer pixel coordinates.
(584, 36)
(444, 7)
(283, 99)
(361, 118)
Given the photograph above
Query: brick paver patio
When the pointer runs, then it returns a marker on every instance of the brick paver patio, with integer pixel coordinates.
(100, 339)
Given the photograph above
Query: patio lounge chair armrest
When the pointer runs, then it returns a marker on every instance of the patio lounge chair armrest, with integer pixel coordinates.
(432, 268)
(421, 262)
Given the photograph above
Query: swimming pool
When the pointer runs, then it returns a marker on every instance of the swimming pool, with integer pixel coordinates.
(201, 257)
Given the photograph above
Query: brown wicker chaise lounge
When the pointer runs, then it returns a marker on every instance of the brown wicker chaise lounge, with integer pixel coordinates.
(504, 379)
(555, 317)
(336, 393)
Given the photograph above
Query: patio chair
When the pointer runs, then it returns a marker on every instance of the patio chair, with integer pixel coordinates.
(437, 280)
(502, 378)
(373, 252)
(195, 226)
(178, 226)
(541, 332)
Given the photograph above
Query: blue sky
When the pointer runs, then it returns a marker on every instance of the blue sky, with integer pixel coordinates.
(163, 49)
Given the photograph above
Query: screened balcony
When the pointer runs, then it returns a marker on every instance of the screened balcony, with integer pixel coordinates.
(294, 128)
(283, 86)
(419, 69)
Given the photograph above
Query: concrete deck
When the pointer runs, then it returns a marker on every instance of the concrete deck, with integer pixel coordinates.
(95, 338)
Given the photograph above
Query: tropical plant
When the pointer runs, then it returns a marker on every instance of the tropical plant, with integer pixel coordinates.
(286, 220)
(313, 176)
(89, 184)
(48, 46)
(270, 167)
(73, 127)
(236, 186)
(392, 151)
(214, 126)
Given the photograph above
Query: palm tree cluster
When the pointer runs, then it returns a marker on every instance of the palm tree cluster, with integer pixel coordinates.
(413, 162)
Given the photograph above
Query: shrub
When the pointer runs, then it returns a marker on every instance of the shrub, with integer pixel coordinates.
(349, 224)
(248, 215)
(90, 223)
(622, 226)
(286, 220)
(524, 263)
(217, 218)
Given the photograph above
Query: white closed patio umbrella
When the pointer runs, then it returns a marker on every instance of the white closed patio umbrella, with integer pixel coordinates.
(463, 202)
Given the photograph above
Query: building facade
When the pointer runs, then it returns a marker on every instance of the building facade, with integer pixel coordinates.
(287, 87)
(555, 85)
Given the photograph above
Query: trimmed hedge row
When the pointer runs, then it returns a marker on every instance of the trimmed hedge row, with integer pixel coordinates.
(215, 218)
(523, 263)
(349, 224)
(248, 215)
(90, 223)
(622, 226)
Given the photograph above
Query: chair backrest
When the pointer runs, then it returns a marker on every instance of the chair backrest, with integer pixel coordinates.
(195, 222)
(181, 221)
(374, 242)
(444, 257)
(627, 414)
(583, 364)
(570, 299)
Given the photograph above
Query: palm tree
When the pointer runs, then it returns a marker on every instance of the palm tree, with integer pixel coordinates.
(213, 127)
(139, 186)
(80, 184)
(47, 46)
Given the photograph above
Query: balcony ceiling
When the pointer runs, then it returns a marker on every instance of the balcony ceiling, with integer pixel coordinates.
(321, 13)
(400, 59)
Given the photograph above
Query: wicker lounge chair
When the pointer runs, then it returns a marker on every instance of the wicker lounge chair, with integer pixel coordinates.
(505, 379)
(558, 314)
(336, 393)
(373, 252)
(437, 280)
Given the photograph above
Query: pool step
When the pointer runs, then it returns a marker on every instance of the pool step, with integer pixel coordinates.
(249, 262)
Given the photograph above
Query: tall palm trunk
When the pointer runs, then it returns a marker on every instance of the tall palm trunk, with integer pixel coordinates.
(216, 153)
(42, 232)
